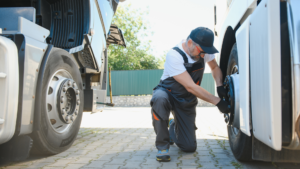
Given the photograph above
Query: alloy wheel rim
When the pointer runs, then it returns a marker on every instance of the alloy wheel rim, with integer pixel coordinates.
(62, 101)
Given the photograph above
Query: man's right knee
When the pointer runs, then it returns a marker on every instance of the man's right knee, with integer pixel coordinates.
(161, 105)
(160, 99)
(189, 148)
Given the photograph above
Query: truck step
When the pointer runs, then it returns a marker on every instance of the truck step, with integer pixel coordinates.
(2, 75)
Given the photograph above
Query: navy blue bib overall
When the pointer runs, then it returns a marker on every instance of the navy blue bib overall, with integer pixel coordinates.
(171, 96)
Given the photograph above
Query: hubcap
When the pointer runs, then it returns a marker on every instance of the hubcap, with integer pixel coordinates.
(63, 100)
(231, 83)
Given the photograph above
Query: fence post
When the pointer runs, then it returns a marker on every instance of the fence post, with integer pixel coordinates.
(110, 92)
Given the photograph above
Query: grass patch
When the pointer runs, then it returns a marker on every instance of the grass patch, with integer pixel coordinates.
(237, 165)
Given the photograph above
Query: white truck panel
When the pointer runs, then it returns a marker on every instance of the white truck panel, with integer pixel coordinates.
(32, 30)
(34, 53)
(242, 41)
(35, 49)
(9, 88)
(265, 64)
(235, 14)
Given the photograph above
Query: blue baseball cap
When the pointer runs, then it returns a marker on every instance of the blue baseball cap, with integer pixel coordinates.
(204, 37)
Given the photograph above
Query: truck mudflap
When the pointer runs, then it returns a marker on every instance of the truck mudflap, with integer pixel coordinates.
(9, 88)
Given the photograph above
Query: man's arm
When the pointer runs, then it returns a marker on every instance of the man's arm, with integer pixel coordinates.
(216, 72)
(186, 80)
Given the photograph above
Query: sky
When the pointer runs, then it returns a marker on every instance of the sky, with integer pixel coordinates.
(173, 20)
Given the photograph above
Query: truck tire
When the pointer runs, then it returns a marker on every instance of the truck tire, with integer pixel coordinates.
(240, 143)
(61, 104)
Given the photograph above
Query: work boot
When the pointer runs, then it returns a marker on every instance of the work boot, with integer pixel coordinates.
(163, 156)
(170, 122)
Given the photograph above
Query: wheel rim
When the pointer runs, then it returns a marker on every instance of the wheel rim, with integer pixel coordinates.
(62, 101)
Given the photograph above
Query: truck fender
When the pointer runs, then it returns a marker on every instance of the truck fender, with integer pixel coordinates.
(37, 105)
(242, 41)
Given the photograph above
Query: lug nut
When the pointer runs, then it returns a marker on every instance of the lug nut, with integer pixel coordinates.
(74, 84)
(77, 92)
(72, 118)
(63, 111)
(62, 99)
(69, 83)
(67, 118)
(76, 112)
(64, 89)
(78, 102)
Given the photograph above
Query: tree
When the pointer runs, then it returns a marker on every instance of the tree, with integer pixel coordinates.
(137, 55)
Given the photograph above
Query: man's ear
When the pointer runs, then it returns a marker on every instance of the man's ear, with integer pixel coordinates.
(190, 43)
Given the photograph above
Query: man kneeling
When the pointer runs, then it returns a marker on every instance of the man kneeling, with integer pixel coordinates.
(178, 90)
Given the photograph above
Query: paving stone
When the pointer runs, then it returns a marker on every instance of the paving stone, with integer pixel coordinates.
(205, 159)
(188, 157)
(188, 167)
(219, 151)
(81, 152)
(202, 149)
(61, 162)
(96, 164)
(228, 167)
(47, 160)
(63, 154)
(141, 153)
(75, 166)
(117, 161)
(83, 160)
(124, 155)
(73, 156)
(111, 167)
(132, 165)
(207, 166)
(151, 162)
(90, 147)
(170, 165)
(189, 162)
(203, 153)
(106, 157)
(220, 156)
(137, 159)
(37, 165)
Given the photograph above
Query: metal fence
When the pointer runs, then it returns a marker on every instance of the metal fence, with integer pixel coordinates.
(142, 82)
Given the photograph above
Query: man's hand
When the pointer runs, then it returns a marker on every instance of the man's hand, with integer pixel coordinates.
(222, 92)
(223, 106)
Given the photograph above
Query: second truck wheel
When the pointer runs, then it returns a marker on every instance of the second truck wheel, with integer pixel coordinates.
(61, 104)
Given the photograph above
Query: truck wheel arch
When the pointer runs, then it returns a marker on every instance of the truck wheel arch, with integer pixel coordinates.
(228, 41)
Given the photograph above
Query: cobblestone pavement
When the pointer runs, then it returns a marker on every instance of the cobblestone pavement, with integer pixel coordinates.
(123, 138)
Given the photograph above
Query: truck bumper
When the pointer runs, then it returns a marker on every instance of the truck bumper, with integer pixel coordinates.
(9, 88)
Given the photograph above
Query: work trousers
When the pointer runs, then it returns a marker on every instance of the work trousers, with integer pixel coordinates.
(183, 128)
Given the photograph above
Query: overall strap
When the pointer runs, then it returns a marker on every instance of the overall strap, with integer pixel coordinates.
(182, 54)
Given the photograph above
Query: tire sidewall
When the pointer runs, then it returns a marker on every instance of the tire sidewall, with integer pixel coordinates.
(54, 141)
(239, 142)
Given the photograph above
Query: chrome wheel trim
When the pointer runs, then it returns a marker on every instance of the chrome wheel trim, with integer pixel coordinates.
(235, 70)
(61, 108)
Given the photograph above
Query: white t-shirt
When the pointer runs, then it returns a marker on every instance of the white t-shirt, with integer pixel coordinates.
(174, 64)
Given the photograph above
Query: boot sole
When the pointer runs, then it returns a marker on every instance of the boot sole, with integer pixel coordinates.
(163, 159)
